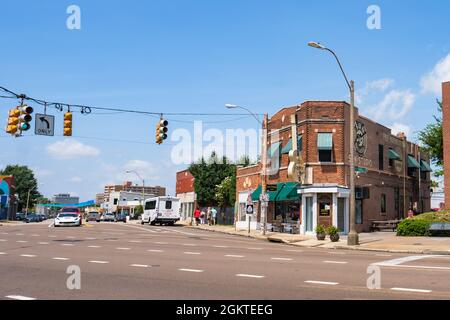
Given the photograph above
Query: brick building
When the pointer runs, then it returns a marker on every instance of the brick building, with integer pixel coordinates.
(446, 135)
(8, 200)
(390, 169)
(186, 193)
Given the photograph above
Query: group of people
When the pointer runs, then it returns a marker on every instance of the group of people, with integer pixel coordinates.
(202, 217)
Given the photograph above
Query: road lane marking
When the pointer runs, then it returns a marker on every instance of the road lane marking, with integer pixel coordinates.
(70, 237)
(19, 234)
(322, 282)
(22, 241)
(91, 238)
(3, 240)
(94, 247)
(189, 244)
(135, 241)
(123, 248)
(249, 276)
(139, 265)
(234, 256)
(99, 262)
(254, 248)
(411, 290)
(154, 250)
(43, 243)
(420, 267)
(189, 252)
(112, 240)
(16, 297)
(35, 235)
(294, 250)
(342, 253)
(1, 253)
(161, 242)
(4, 233)
(52, 236)
(191, 270)
(220, 246)
(383, 255)
(67, 244)
(281, 259)
(28, 255)
(335, 262)
(60, 258)
(398, 261)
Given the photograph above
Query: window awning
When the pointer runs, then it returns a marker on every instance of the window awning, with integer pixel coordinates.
(412, 163)
(425, 166)
(286, 191)
(393, 155)
(274, 149)
(325, 141)
(288, 146)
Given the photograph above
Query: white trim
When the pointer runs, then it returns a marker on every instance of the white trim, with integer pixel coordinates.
(331, 189)
(334, 210)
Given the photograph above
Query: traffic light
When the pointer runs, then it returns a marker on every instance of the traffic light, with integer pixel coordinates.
(161, 131)
(13, 121)
(68, 124)
(25, 117)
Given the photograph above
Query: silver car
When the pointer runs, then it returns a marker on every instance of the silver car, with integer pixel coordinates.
(109, 217)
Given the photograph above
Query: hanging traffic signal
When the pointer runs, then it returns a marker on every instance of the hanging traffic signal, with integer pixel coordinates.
(68, 124)
(161, 131)
(13, 121)
(25, 117)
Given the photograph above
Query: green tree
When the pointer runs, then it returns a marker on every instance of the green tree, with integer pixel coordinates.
(25, 182)
(226, 192)
(208, 174)
(432, 140)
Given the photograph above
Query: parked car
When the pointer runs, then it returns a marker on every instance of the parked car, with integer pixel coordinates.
(121, 217)
(72, 210)
(108, 217)
(93, 216)
(41, 217)
(32, 217)
(20, 216)
(67, 219)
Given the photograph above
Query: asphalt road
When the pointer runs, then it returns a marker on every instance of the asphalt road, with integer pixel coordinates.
(128, 261)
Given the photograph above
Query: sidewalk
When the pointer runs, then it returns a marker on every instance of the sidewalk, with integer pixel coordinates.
(375, 241)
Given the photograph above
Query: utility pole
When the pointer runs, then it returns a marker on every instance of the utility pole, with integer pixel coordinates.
(264, 202)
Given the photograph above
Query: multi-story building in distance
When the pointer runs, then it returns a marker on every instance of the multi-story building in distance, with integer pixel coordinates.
(65, 198)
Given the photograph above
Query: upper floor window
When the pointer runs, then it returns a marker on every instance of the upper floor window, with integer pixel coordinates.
(325, 147)
(381, 157)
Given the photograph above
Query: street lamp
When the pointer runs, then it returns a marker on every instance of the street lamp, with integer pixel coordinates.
(352, 238)
(263, 159)
(143, 185)
(28, 197)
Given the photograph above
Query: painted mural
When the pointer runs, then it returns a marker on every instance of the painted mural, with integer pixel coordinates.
(6, 195)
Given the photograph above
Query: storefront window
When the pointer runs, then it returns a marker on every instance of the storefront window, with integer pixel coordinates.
(324, 202)
(289, 211)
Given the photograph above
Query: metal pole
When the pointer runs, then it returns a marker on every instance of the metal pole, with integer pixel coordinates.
(352, 238)
(28, 200)
(263, 171)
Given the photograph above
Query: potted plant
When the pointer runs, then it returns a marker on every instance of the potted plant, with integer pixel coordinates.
(320, 232)
(333, 232)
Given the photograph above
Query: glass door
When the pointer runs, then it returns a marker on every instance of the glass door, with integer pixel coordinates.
(341, 214)
(309, 214)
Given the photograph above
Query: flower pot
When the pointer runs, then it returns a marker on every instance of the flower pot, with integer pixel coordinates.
(321, 236)
(334, 237)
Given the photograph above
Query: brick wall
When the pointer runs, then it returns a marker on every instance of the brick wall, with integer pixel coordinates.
(185, 182)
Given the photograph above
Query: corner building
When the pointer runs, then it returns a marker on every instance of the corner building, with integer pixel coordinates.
(392, 174)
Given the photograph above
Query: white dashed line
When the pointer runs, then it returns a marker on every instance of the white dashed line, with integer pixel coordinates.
(59, 258)
(91, 238)
(220, 246)
(322, 282)
(335, 262)
(28, 255)
(99, 262)
(191, 270)
(4, 233)
(19, 234)
(94, 247)
(189, 252)
(234, 256)
(154, 250)
(123, 248)
(411, 290)
(22, 241)
(383, 255)
(139, 265)
(3, 240)
(161, 242)
(135, 241)
(15, 297)
(1, 253)
(52, 236)
(249, 276)
(43, 243)
(342, 253)
(254, 248)
(35, 235)
(67, 244)
(189, 245)
(293, 250)
(281, 259)
(70, 237)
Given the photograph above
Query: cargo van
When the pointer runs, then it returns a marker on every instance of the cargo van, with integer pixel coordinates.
(162, 210)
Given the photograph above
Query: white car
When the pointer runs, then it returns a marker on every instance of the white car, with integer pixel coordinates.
(67, 219)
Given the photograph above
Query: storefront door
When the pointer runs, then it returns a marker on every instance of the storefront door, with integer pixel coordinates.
(341, 214)
(324, 205)
(309, 214)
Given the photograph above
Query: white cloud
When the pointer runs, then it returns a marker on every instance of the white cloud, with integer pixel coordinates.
(395, 105)
(375, 86)
(42, 173)
(400, 127)
(146, 171)
(432, 82)
(76, 179)
(69, 149)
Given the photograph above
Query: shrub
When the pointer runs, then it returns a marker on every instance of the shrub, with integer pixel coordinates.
(332, 230)
(320, 229)
(413, 228)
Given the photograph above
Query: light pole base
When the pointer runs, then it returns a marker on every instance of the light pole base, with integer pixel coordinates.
(353, 239)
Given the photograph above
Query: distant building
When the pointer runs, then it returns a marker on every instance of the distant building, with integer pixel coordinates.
(186, 193)
(65, 198)
(99, 198)
(129, 187)
(124, 201)
(438, 197)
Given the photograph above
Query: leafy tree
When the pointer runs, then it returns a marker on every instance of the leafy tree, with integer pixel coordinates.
(226, 192)
(25, 182)
(138, 210)
(208, 174)
(432, 141)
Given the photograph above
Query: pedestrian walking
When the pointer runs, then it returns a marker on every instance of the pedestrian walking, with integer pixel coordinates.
(203, 217)
(208, 215)
(197, 215)
(214, 216)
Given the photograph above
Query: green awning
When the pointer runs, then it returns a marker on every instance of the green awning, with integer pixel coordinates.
(393, 155)
(425, 166)
(325, 141)
(273, 149)
(286, 191)
(412, 163)
(288, 146)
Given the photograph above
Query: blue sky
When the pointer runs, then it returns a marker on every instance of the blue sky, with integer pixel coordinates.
(197, 55)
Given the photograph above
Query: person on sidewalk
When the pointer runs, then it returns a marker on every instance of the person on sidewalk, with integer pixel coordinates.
(197, 214)
(203, 217)
(214, 216)
(208, 215)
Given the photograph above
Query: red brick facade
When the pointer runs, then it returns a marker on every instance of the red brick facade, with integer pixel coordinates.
(185, 182)
(446, 134)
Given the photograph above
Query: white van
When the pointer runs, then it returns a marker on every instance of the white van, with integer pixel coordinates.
(162, 210)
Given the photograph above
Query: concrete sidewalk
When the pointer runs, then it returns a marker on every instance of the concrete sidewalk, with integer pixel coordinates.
(375, 241)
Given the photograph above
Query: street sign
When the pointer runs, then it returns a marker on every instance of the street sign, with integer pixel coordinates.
(249, 209)
(360, 170)
(44, 125)
(272, 187)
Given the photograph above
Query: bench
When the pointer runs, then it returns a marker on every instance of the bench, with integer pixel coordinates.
(439, 228)
(385, 224)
